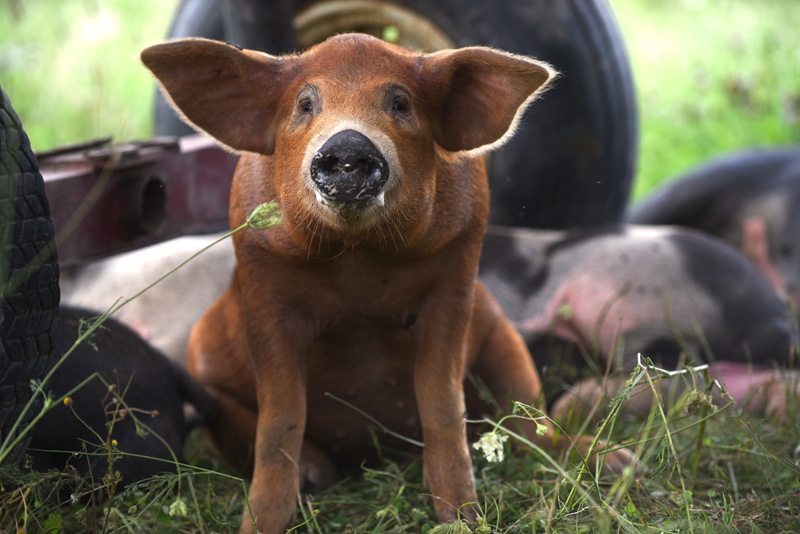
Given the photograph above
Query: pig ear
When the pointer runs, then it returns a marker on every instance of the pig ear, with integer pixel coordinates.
(480, 94)
(229, 93)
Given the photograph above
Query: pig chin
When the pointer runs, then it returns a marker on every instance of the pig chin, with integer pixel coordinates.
(349, 215)
(351, 209)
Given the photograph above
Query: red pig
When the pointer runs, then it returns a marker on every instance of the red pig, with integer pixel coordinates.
(368, 289)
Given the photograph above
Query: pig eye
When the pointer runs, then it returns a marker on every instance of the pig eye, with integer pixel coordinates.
(397, 100)
(397, 104)
(306, 106)
(307, 101)
(400, 105)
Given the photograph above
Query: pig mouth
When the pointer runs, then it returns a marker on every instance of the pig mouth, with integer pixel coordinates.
(349, 173)
(350, 209)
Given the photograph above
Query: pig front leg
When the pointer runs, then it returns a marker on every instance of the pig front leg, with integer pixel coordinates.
(758, 390)
(257, 372)
(280, 368)
(439, 389)
(593, 395)
(652, 340)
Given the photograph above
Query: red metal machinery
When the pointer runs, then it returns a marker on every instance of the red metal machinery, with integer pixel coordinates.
(107, 199)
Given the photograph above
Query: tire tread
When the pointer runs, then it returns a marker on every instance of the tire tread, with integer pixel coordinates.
(29, 275)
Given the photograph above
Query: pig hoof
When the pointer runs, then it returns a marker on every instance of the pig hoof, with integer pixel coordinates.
(617, 461)
(317, 471)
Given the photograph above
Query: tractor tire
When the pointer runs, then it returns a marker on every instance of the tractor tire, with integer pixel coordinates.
(570, 164)
(28, 278)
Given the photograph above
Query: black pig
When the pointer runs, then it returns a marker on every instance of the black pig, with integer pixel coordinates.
(147, 382)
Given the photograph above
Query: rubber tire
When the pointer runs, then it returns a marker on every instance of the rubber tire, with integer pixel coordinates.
(28, 274)
(572, 162)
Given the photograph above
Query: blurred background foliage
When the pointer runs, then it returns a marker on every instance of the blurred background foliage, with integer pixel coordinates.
(711, 75)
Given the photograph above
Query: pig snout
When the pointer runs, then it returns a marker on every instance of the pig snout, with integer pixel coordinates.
(349, 171)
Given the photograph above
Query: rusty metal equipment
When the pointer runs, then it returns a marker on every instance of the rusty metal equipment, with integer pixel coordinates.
(107, 199)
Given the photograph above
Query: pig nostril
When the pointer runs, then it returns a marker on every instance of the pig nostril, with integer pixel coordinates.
(364, 163)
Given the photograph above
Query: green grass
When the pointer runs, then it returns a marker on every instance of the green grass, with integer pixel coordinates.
(709, 471)
(712, 76)
(72, 70)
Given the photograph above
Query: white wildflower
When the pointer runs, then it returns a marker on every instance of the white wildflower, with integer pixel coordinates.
(541, 429)
(491, 444)
(178, 509)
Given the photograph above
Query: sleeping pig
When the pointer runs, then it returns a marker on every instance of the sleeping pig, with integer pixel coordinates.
(605, 296)
(750, 200)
